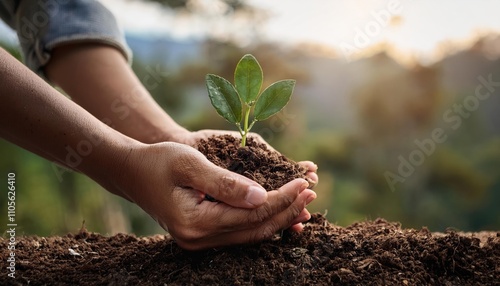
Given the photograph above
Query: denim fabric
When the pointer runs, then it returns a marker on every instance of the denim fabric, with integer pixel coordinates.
(43, 24)
(7, 11)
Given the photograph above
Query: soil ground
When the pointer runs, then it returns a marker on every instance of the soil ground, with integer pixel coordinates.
(365, 253)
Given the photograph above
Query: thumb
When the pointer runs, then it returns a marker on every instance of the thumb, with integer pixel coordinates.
(192, 169)
(234, 189)
(228, 187)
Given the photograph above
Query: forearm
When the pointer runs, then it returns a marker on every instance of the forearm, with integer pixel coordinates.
(36, 117)
(98, 78)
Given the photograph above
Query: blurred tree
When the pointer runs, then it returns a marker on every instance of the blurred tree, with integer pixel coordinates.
(396, 106)
(233, 20)
(396, 102)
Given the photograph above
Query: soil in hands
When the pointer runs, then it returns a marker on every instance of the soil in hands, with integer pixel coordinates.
(255, 161)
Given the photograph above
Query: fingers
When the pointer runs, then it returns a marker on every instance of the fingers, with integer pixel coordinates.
(297, 227)
(303, 216)
(193, 170)
(224, 185)
(311, 175)
(262, 231)
(310, 166)
(230, 219)
(231, 188)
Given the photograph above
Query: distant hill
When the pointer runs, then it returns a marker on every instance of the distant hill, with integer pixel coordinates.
(172, 52)
(333, 82)
(460, 74)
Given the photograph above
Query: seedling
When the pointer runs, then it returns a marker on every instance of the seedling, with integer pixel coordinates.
(236, 102)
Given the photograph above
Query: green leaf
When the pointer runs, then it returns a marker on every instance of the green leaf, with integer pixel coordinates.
(273, 99)
(248, 78)
(224, 98)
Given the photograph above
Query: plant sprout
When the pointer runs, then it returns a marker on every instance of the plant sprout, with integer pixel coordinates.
(235, 103)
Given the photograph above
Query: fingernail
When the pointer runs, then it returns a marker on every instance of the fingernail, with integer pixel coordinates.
(303, 186)
(310, 199)
(298, 227)
(256, 196)
(312, 182)
(302, 218)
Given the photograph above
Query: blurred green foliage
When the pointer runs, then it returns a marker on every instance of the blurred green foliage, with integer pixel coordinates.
(389, 106)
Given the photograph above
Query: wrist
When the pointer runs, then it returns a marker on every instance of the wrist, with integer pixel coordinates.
(105, 158)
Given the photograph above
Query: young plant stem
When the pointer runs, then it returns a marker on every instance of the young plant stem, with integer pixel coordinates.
(245, 127)
(236, 101)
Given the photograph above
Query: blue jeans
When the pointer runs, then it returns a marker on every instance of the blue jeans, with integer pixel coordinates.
(41, 25)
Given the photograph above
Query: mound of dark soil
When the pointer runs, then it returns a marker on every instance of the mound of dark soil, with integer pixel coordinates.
(366, 253)
(255, 161)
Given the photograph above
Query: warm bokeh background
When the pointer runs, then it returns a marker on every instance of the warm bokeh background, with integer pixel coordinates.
(373, 80)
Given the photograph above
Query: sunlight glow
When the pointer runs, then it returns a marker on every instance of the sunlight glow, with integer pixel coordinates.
(414, 28)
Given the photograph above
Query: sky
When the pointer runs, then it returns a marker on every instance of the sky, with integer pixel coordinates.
(416, 27)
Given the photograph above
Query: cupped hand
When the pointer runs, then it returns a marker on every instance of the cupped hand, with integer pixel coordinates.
(170, 181)
(192, 138)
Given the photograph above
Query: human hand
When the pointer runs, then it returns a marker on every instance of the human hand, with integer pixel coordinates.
(192, 138)
(170, 180)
